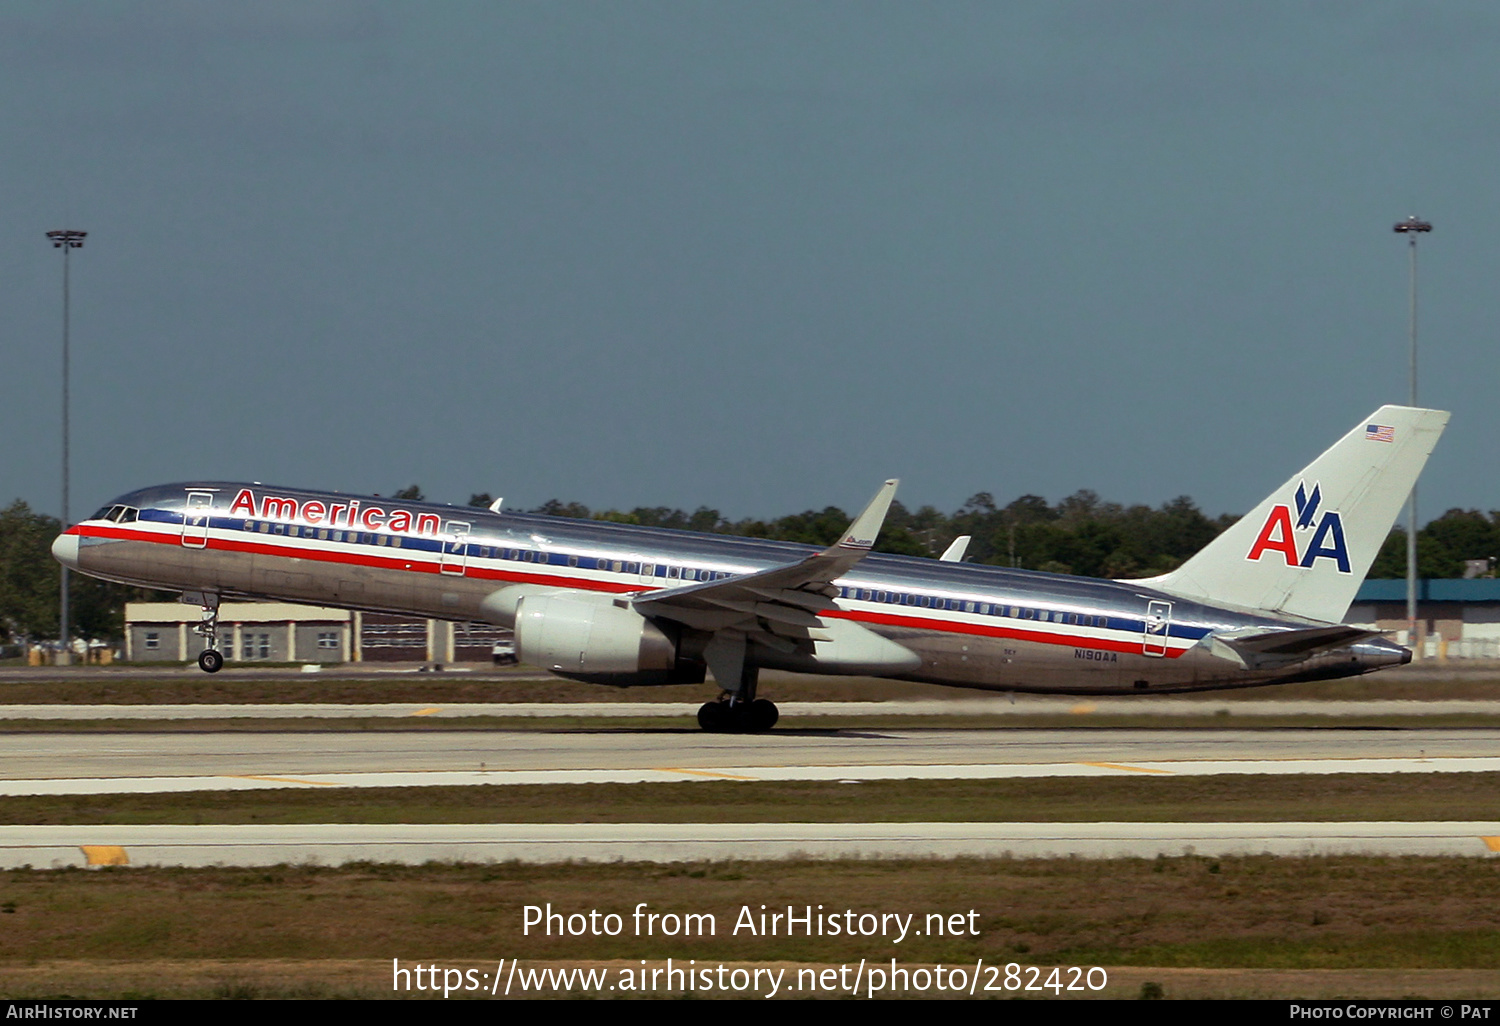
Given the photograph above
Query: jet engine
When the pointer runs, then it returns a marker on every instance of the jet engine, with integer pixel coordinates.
(589, 638)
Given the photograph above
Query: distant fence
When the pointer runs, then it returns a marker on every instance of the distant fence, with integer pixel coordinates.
(1461, 648)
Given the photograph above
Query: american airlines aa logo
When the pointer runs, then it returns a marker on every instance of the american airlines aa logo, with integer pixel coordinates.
(1279, 535)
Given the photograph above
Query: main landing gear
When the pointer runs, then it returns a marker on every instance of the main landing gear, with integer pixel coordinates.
(727, 716)
(739, 711)
(210, 660)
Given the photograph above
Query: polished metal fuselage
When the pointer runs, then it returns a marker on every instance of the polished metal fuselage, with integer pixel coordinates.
(973, 626)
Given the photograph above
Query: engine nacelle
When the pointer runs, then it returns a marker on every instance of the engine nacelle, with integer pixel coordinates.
(589, 638)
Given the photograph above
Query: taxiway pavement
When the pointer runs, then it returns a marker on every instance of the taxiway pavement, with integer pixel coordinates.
(84, 763)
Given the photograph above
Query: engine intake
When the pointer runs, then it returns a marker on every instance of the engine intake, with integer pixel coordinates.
(592, 639)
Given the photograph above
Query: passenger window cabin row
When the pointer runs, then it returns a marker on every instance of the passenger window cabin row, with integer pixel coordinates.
(662, 571)
(901, 598)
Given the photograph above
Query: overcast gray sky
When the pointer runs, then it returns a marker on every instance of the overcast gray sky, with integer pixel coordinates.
(756, 256)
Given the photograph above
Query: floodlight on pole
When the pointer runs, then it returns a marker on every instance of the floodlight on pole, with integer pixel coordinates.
(66, 240)
(1411, 228)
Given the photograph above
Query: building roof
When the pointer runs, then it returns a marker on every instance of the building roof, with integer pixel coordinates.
(1436, 589)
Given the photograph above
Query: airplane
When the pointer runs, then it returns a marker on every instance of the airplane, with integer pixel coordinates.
(630, 606)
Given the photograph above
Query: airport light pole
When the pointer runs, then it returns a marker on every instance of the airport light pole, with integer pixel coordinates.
(1411, 228)
(66, 240)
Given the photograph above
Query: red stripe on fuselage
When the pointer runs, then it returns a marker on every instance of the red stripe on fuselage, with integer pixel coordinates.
(420, 565)
(985, 630)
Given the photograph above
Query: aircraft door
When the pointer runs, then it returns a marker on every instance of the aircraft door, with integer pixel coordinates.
(455, 548)
(195, 519)
(1158, 621)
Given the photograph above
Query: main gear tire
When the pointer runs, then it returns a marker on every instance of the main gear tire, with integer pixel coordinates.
(761, 715)
(714, 717)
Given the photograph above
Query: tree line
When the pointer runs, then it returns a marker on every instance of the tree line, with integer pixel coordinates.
(30, 579)
(1081, 534)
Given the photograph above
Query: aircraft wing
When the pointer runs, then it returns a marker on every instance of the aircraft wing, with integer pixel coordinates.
(787, 596)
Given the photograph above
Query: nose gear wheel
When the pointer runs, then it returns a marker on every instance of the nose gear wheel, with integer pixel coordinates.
(210, 660)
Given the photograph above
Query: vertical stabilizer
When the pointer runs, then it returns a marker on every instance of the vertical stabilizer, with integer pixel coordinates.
(1306, 549)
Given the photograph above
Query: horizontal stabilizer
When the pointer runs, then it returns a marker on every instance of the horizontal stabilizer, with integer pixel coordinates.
(1257, 648)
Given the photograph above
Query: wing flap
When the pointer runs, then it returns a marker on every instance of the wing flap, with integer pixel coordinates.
(796, 616)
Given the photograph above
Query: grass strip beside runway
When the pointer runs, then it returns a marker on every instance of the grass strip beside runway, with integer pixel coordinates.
(365, 979)
(1265, 913)
(1342, 797)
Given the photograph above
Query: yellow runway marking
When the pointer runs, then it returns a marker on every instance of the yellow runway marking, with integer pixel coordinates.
(282, 780)
(1129, 769)
(1492, 843)
(1084, 709)
(703, 773)
(104, 854)
(428, 711)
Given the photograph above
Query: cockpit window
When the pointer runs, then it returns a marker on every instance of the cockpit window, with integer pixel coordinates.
(117, 513)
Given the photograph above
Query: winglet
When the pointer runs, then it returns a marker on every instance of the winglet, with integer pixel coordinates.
(955, 552)
(789, 593)
(861, 534)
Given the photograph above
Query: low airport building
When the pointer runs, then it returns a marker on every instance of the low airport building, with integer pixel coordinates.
(283, 632)
(1456, 619)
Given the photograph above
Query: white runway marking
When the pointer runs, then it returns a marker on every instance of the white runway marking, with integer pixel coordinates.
(254, 845)
(989, 771)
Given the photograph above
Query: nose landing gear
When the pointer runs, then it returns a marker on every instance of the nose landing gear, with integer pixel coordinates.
(210, 660)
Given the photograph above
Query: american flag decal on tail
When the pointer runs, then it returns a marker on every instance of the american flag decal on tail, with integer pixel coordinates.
(1379, 433)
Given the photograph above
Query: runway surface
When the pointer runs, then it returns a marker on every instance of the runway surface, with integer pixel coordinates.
(254, 845)
(998, 706)
(67, 763)
(72, 763)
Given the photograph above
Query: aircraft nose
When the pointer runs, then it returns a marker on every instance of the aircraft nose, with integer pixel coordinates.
(65, 550)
